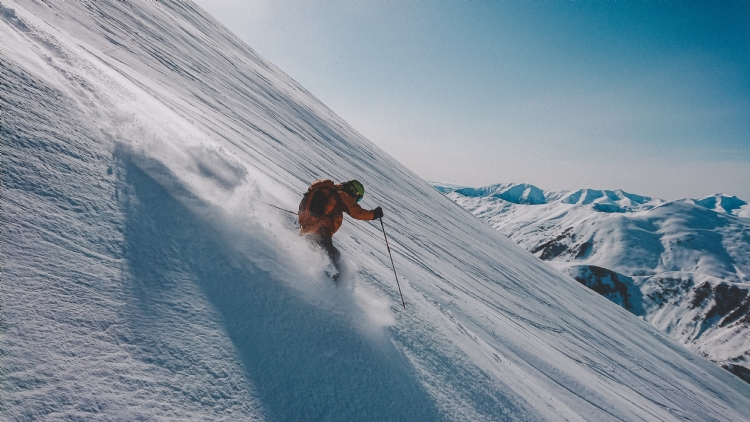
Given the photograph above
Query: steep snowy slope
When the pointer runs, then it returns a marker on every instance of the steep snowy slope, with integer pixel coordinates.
(145, 278)
(682, 265)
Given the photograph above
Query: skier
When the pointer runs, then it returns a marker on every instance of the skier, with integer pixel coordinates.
(321, 213)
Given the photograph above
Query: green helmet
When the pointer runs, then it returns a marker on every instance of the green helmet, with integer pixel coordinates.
(355, 188)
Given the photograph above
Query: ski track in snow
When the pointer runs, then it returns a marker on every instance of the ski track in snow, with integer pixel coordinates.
(144, 278)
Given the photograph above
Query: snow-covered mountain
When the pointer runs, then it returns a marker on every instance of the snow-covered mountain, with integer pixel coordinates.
(682, 265)
(144, 277)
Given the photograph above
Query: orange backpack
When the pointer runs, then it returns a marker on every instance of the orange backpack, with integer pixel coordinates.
(316, 198)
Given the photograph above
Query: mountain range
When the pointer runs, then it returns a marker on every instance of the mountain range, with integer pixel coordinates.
(681, 265)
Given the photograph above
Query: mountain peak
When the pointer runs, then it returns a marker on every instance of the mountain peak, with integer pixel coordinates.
(724, 204)
(613, 201)
(608, 200)
(517, 193)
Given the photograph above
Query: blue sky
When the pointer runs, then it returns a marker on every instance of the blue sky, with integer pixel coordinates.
(649, 97)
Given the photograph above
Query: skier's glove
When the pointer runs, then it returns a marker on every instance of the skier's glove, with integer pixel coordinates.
(378, 213)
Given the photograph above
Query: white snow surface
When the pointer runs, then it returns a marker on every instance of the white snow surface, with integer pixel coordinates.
(662, 252)
(143, 277)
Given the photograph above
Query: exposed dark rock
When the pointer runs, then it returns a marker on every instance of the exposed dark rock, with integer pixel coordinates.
(727, 298)
(609, 284)
(701, 294)
(742, 372)
(671, 289)
(741, 314)
(583, 249)
(730, 302)
(553, 250)
(554, 247)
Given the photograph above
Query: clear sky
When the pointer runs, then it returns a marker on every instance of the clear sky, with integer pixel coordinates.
(649, 97)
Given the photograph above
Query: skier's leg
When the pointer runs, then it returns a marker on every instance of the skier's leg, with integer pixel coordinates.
(326, 243)
(333, 253)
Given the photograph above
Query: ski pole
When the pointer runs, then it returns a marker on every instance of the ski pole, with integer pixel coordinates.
(394, 267)
(282, 209)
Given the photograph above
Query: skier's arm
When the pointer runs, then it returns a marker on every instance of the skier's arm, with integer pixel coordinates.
(352, 208)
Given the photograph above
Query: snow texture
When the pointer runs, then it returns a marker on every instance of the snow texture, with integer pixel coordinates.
(144, 277)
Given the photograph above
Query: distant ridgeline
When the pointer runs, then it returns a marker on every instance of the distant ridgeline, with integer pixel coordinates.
(683, 265)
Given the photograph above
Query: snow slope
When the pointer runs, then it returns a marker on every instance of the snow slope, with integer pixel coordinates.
(682, 265)
(143, 277)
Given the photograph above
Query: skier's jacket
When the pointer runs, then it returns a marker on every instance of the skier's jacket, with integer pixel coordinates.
(322, 207)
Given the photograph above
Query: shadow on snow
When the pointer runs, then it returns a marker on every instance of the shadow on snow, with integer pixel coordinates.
(304, 363)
